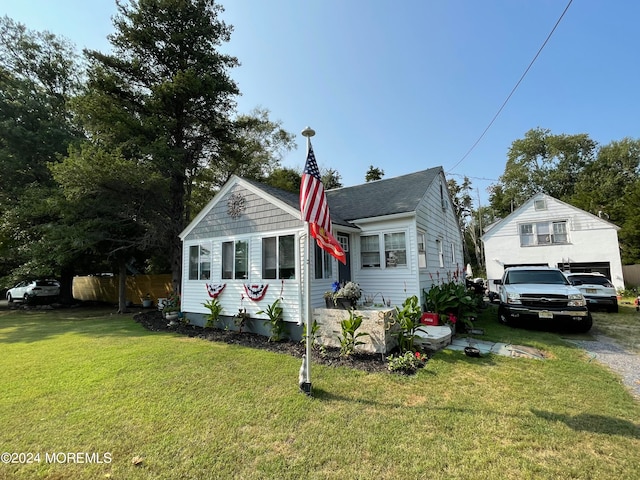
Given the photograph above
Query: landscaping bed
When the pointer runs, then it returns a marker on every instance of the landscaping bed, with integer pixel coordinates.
(330, 356)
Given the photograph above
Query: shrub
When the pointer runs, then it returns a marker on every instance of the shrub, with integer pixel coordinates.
(274, 312)
(349, 339)
(215, 308)
(407, 363)
(408, 318)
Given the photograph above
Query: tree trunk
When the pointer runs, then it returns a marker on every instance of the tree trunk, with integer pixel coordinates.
(122, 285)
(66, 285)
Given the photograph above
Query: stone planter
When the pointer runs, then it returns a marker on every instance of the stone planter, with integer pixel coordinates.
(340, 303)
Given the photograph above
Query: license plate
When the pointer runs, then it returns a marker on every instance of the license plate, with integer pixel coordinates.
(545, 314)
(591, 290)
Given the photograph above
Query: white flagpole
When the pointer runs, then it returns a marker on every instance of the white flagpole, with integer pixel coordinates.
(306, 386)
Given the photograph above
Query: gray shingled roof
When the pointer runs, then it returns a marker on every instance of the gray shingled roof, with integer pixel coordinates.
(381, 197)
(372, 199)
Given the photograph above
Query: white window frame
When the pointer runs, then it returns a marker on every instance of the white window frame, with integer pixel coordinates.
(394, 257)
(235, 274)
(323, 263)
(545, 233)
(280, 257)
(422, 249)
(197, 262)
(372, 253)
(439, 249)
(391, 258)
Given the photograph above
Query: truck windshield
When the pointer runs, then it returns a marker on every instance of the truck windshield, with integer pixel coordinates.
(552, 277)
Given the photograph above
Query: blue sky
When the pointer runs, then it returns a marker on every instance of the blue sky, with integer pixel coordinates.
(406, 85)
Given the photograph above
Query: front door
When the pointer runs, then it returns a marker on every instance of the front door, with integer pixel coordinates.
(344, 271)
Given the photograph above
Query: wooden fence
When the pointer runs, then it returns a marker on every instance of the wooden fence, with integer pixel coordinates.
(105, 289)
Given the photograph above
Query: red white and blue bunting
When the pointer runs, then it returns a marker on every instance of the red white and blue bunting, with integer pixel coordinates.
(215, 290)
(256, 292)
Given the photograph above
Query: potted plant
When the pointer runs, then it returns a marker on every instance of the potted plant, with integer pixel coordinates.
(171, 310)
(147, 302)
(347, 295)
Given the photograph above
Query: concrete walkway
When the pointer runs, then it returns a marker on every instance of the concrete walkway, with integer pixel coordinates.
(506, 350)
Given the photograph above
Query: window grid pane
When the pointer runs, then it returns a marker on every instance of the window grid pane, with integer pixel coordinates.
(395, 249)
(370, 255)
(205, 263)
(227, 260)
(287, 257)
(269, 258)
(193, 262)
(242, 260)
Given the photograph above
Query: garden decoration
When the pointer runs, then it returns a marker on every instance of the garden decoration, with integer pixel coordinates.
(215, 290)
(256, 292)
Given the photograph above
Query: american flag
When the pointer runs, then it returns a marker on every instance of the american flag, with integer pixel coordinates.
(313, 201)
(314, 209)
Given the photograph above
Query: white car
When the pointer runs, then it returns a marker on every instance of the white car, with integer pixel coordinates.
(596, 288)
(23, 291)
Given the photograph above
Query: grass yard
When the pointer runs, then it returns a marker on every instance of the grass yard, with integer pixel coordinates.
(150, 406)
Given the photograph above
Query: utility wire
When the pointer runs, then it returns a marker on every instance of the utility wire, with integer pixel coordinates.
(513, 90)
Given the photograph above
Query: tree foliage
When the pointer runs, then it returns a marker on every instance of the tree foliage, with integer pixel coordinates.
(541, 162)
(164, 96)
(39, 72)
(602, 180)
(373, 173)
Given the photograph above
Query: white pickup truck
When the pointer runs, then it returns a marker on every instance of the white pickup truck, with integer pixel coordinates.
(541, 294)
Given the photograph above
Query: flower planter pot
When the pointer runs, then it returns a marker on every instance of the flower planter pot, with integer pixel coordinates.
(345, 303)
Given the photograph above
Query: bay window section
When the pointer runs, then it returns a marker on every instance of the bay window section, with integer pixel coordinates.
(279, 257)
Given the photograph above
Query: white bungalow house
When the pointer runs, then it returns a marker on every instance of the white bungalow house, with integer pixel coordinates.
(547, 231)
(247, 245)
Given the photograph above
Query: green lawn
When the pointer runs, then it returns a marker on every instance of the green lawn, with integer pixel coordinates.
(90, 382)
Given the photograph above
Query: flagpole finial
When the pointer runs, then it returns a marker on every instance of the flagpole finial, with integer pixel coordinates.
(308, 132)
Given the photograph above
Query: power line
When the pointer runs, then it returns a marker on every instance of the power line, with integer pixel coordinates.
(513, 90)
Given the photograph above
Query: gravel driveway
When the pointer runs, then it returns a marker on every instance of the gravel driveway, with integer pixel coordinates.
(624, 363)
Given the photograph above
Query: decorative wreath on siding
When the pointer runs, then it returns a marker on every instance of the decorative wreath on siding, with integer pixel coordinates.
(256, 292)
(215, 290)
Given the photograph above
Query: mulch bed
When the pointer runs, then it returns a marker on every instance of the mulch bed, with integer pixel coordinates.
(369, 362)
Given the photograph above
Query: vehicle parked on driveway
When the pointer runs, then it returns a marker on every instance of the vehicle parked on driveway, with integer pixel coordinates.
(541, 294)
(596, 288)
(26, 290)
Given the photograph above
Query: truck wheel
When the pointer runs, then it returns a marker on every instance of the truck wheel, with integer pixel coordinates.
(503, 318)
(585, 325)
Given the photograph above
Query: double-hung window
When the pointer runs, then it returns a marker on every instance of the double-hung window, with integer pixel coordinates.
(199, 262)
(235, 260)
(543, 233)
(323, 263)
(279, 257)
(395, 249)
(422, 250)
(370, 251)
